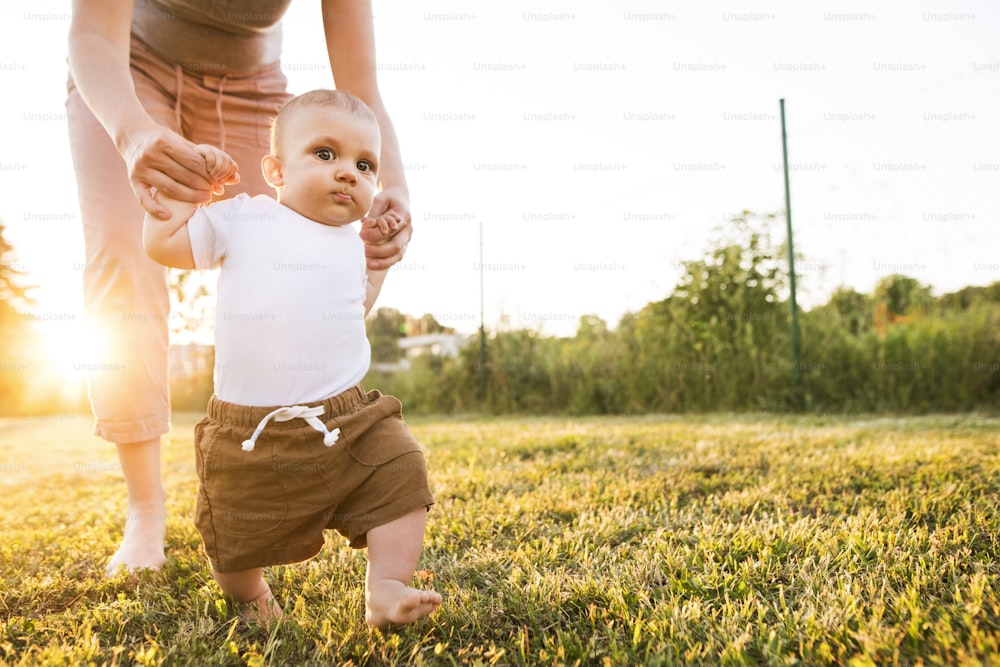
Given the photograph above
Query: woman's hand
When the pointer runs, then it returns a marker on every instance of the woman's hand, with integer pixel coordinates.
(160, 160)
(157, 159)
(386, 230)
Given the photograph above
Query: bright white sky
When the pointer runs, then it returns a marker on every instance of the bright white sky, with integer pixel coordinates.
(626, 132)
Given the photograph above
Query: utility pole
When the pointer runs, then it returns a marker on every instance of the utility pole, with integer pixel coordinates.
(796, 354)
(482, 320)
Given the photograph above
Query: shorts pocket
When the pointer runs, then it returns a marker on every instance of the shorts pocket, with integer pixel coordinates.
(376, 433)
(241, 490)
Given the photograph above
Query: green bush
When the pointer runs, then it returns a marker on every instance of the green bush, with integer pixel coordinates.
(720, 342)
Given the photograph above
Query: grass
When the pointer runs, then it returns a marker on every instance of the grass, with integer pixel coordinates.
(730, 540)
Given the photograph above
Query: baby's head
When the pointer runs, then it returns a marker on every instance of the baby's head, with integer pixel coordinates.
(324, 156)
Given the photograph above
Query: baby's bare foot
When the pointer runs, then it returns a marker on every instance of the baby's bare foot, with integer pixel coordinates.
(142, 543)
(391, 603)
(263, 609)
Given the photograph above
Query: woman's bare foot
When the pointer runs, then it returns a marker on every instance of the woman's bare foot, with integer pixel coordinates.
(142, 543)
(390, 603)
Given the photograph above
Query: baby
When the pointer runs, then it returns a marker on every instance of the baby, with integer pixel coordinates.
(292, 445)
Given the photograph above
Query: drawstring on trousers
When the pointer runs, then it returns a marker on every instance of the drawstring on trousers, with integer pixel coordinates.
(218, 112)
(179, 72)
(177, 102)
(310, 415)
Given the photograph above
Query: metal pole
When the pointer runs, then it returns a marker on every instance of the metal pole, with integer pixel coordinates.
(482, 321)
(796, 355)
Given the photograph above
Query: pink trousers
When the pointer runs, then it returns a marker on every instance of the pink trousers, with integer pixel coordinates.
(125, 293)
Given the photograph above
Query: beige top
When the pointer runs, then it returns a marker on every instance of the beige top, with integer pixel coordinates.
(212, 36)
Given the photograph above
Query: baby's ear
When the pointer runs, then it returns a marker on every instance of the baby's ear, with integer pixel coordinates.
(271, 166)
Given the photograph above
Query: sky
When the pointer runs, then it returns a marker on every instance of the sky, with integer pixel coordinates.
(592, 148)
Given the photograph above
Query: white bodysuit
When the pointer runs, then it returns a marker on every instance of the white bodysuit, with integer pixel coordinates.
(290, 323)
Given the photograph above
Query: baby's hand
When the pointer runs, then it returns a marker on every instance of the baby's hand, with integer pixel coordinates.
(387, 224)
(221, 168)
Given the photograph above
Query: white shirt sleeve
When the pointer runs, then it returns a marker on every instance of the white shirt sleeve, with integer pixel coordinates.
(210, 229)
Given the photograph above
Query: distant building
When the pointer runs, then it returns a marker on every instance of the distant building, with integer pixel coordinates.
(436, 344)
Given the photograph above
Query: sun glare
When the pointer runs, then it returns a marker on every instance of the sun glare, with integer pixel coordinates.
(73, 348)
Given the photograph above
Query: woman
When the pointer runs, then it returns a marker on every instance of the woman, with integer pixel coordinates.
(150, 79)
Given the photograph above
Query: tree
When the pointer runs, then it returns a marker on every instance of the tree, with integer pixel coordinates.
(903, 295)
(848, 307)
(385, 328)
(192, 304)
(14, 299)
(967, 297)
(15, 333)
(728, 312)
(423, 326)
(592, 329)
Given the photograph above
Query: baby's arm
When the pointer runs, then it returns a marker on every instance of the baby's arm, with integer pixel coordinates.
(386, 223)
(375, 280)
(167, 241)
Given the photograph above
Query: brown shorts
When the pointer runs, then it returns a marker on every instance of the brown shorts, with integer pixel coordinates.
(270, 506)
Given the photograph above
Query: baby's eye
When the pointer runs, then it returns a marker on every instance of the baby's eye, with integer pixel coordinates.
(365, 165)
(324, 154)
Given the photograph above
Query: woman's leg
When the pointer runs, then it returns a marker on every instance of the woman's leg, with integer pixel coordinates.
(145, 522)
(127, 306)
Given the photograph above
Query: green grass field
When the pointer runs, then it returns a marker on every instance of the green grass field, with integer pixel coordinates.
(732, 540)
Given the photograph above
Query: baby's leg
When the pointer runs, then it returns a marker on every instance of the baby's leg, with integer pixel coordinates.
(393, 550)
(252, 594)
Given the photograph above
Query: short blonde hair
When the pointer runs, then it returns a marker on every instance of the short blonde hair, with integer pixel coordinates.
(338, 99)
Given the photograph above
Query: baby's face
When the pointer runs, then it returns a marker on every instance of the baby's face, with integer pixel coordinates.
(329, 163)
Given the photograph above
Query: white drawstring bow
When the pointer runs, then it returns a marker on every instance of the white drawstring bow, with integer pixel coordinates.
(310, 415)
